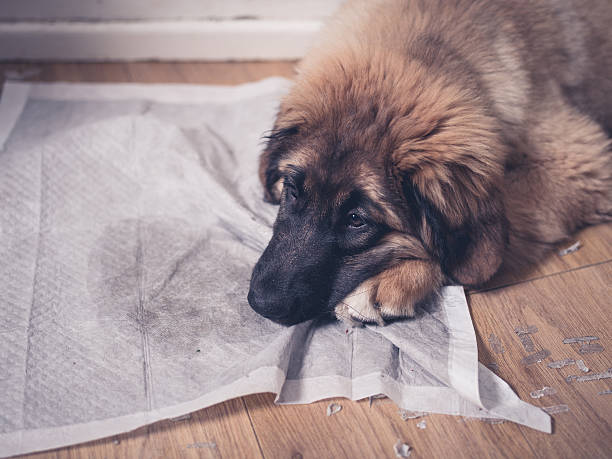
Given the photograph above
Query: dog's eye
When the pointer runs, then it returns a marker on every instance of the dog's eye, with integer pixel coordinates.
(354, 220)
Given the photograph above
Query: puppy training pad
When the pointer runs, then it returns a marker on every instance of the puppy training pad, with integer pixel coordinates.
(131, 218)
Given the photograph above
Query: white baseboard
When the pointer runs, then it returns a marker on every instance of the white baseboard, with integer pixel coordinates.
(157, 40)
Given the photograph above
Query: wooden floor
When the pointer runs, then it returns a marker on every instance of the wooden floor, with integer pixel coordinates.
(563, 297)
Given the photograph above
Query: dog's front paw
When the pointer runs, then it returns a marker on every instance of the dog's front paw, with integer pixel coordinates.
(390, 294)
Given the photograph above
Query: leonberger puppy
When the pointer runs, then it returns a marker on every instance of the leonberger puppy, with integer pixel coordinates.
(427, 142)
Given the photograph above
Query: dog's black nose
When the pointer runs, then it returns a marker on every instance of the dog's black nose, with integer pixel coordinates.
(271, 308)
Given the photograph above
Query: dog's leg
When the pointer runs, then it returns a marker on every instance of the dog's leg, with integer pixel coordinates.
(561, 181)
(392, 293)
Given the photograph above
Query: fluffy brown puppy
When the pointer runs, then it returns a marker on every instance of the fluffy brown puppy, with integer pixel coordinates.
(427, 142)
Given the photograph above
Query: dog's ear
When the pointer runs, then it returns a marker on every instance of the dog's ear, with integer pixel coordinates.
(279, 141)
(470, 247)
(458, 210)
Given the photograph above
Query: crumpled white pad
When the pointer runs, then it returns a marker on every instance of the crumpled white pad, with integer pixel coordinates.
(131, 217)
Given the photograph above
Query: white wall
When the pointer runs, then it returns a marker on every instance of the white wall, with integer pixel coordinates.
(165, 9)
(159, 29)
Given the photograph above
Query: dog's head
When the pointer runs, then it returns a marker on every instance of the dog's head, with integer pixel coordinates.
(372, 168)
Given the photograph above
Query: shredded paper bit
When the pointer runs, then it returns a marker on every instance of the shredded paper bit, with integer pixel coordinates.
(528, 330)
(406, 414)
(496, 344)
(590, 348)
(401, 449)
(523, 334)
(579, 339)
(593, 377)
(555, 409)
(535, 358)
(202, 445)
(581, 365)
(571, 249)
(333, 408)
(542, 392)
(561, 363)
(527, 343)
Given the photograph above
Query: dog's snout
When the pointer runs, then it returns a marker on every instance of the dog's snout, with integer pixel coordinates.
(290, 281)
(264, 304)
(272, 307)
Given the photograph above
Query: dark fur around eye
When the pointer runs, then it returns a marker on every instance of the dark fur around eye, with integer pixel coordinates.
(291, 190)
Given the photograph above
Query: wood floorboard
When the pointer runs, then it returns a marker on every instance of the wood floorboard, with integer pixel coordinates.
(561, 296)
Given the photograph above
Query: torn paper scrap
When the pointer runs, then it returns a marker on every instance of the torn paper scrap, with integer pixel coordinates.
(527, 343)
(422, 424)
(555, 409)
(566, 362)
(496, 344)
(590, 348)
(406, 414)
(579, 339)
(571, 249)
(561, 363)
(401, 449)
(594, 377)
(528, 330)
(581, 365)
(523, 334)
(333, 408)
(536, 357)
(543, 392)
(202, 445)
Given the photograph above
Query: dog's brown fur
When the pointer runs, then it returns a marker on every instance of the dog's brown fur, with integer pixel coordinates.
(480, 124)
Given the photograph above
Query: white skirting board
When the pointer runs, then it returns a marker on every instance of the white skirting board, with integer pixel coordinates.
(157, 40)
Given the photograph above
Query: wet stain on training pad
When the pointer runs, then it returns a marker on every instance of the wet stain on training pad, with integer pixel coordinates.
(174, 282)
